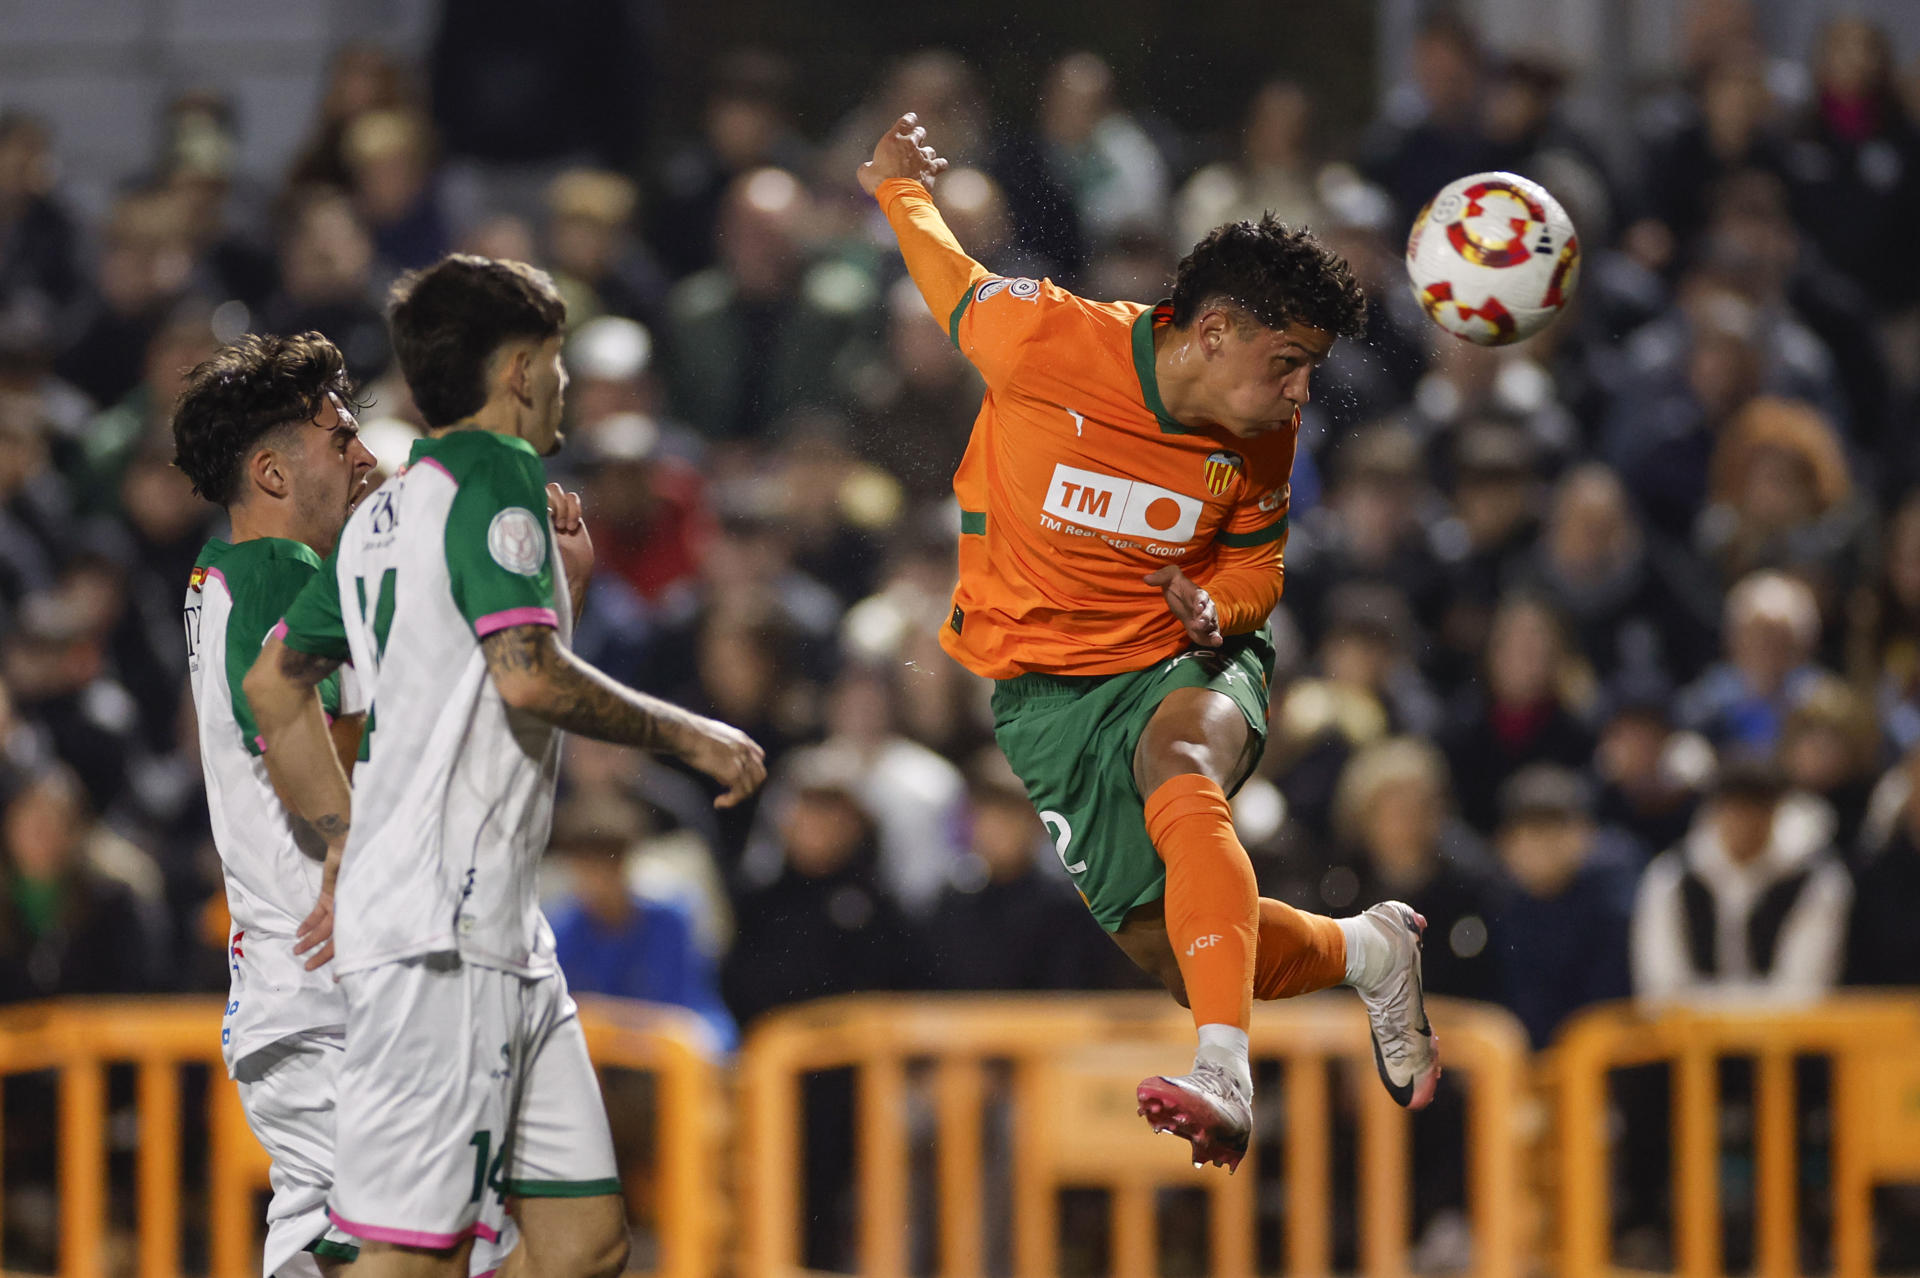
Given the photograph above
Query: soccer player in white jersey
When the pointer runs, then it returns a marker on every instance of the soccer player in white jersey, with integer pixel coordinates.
(466, 1081)
(266, 429)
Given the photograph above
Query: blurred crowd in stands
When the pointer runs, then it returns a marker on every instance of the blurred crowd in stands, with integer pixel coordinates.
(1604, 649)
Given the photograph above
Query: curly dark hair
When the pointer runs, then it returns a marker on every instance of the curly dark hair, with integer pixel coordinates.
(249, 389)
(449, 318)
(1275, 275)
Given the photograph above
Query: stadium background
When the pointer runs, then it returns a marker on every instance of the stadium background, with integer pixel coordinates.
(1679, 529)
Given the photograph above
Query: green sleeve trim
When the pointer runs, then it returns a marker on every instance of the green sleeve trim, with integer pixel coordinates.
(953, 321)
(327, 1249)
(1258, 537)
(562, 1188)
(973, 522)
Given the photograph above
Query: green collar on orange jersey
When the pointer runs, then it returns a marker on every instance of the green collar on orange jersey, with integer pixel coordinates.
(1158, 313)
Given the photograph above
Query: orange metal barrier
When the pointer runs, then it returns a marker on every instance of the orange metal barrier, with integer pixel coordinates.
(80, 1039)
(1073, 1062)
(1874, 1042)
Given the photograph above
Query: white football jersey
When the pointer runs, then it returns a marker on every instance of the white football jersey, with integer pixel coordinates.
(453, 797)
(234, 597)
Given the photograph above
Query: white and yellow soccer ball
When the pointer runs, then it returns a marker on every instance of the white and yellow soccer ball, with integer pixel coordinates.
(1493, 258)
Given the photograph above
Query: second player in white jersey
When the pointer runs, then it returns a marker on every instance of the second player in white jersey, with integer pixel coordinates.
(450, 815)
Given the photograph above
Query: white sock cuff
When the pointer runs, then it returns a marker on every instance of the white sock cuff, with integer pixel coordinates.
(1226, 1037)
(1368, 954)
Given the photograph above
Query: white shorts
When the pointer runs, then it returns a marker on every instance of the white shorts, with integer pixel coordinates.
(287, 1093)
(462, 1086)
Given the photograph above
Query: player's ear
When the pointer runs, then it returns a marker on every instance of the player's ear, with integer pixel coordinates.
(518, 372)
(268, 471)
(1214, 326)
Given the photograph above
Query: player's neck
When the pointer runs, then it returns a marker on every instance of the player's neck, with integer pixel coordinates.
(1177, 364)
(254, 519)
(502, 415)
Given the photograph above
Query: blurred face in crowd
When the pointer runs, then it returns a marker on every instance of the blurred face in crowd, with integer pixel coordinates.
(1005, 832)
(1448, 73)
(1357, 659)
(1723, 372)
(44, 826)
(1631, 747)
(1522, 653)
(1492, 505)
(1853, 60)
(148, 252)
(976, 212)
(1765, 650)
(1743, 824)
(742, 129)
(1591, 535)
(760, 230)
(1778, 491)
(27, 167)
(328, 257)
(1544, 853)
(1903, 556)
(824, 830)
(1376, 511)
(1278, 120)
(1078, 96)
(1402, 831)
(159, 500)
(1735, 102)
(737, 672)
(1818, 757)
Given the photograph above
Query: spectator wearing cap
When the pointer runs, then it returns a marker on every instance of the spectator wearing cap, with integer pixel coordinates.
(1649, 772)
(596, 263)
(1525, 711)
(1772, 632)
(612, 941)
(1883, 946)
(1559, 936)
(1753, 904)
(1626, 608)
(1010, 920)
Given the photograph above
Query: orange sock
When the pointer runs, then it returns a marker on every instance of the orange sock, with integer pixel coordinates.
(1212, 900)
(1299, 952)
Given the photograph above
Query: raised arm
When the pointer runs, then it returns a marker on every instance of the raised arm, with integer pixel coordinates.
(303, 759)
(896, 176)
(535, 673)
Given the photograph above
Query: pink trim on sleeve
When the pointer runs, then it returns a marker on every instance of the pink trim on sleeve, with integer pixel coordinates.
(515, 617)
(428, 461)
(414, 1237)
(220, 577)
(279, 631)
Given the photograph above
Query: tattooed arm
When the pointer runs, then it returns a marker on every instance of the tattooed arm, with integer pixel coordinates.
(303, 759)
(536, 673)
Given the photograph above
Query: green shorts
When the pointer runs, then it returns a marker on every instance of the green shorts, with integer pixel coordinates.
(1071, 740)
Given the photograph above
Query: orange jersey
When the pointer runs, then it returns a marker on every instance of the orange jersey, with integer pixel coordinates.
(1076, 484)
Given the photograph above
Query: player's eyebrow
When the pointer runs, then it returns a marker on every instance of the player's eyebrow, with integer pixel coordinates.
(1292, 347)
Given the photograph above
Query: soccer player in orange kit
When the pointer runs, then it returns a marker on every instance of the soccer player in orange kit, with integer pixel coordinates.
(1123, 512)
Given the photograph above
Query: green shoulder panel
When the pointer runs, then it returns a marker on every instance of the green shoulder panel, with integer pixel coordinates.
(263, 577)
(498, 546)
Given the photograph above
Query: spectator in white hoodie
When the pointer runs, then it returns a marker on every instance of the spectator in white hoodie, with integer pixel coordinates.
(1751, 905)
